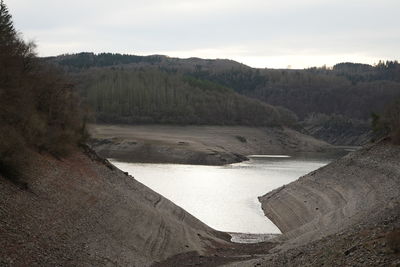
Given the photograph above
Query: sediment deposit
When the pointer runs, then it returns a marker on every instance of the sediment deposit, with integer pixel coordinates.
(207, 145)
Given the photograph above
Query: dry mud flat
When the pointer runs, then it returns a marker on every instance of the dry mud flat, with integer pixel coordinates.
(207, 145)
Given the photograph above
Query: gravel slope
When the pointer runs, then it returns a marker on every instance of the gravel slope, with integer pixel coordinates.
(340, 194)
(344, 214)
(81, 211)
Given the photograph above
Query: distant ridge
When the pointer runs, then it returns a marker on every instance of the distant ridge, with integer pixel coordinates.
(88, 59)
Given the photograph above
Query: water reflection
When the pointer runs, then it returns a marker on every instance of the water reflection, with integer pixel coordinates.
(225, 197)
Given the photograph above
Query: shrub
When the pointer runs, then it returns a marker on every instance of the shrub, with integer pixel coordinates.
(241, 139)
(388, 124)
(39, 109)
(391, 120)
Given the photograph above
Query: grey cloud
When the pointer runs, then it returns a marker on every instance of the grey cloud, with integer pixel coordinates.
(265, 28)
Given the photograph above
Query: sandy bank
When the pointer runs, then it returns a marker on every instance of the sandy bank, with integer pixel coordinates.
(208, 145)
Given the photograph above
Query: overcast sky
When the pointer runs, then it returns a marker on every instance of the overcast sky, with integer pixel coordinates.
(259, 33)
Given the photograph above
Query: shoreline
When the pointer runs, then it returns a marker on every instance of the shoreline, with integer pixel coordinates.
(248, 238)
(197, 145)
(85, 228)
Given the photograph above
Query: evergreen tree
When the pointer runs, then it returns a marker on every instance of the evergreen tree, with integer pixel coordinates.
(7, 31)
(38, 107)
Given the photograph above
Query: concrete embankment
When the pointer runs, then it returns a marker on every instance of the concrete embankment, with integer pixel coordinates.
(341, 194)
(207, 145)
(82, 211)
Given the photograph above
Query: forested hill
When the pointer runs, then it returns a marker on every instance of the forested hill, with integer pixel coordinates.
(135, 90)
(352, 90)
(86, 60)
(334, 104)
(120, 95)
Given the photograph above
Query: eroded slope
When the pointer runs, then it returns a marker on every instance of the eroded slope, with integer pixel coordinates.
(79, 211)
(341, 194)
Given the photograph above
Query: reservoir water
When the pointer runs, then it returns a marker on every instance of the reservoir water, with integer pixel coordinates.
(225, 197)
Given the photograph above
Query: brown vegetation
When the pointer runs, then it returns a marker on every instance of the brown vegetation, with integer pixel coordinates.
(124, 88)
(391, 120)
(388, 124)
(38, 107)
(143, 96)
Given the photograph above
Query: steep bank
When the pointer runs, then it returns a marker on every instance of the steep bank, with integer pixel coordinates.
(81, 211)
(375, 242)
(344, 214)
(346, 192)
(340, 136)
(209, 145)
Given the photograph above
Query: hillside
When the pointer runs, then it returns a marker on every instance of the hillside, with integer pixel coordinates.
(60, 204)
(63, 205)
(349, 91)
(87, 60)
(134, 96)
(338, 195)
(107, 217)
(344, 214)
(39, 108)
(82, 211)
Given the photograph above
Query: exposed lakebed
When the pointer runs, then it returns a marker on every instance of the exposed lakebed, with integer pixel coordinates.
(225, 197)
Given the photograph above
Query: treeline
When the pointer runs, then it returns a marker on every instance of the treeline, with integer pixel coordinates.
(345, 96)
(85, 60)
(120, 95)
(355, 72)
(388, 122)
(38, 107)
(351, 90)
(338, 129)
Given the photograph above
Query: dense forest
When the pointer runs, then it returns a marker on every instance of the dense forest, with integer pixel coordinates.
(82, 61)
(352, 90)
(334, 104)
(39, 109)
(119, 95)
(327, 101)
(348, 89)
